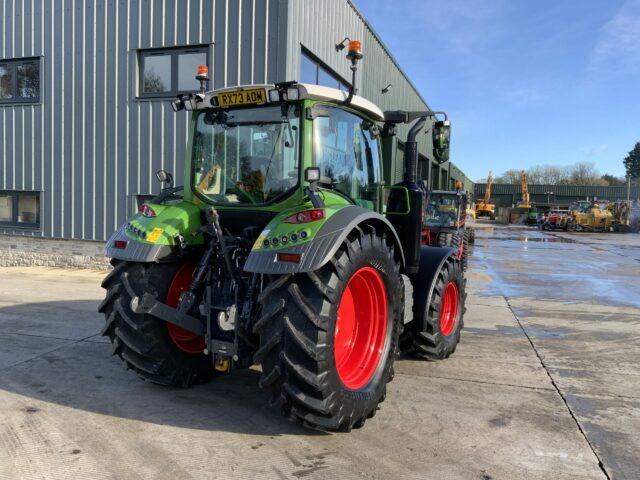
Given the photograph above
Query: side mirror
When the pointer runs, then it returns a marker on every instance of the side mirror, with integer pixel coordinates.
(164, 177)
(441, 140)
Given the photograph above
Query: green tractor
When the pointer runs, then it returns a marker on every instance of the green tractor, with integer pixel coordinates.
(286, 249)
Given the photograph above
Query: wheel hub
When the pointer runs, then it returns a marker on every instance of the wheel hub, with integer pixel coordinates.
(185, 340)
(449, 309)
(361, 328)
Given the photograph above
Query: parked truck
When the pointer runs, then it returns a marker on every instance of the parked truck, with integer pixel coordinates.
(288, 247)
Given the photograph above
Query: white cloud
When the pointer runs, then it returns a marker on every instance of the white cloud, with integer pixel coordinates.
(618, 45)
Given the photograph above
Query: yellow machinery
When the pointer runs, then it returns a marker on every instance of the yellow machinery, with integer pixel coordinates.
(524, 211)
(590, 218)
(621, 212)
(483, 207)
(526, 203)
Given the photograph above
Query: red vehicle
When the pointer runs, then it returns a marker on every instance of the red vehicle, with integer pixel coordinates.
(444, 222)
(555, 220)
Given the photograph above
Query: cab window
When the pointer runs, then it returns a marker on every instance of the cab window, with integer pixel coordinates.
(347, 154)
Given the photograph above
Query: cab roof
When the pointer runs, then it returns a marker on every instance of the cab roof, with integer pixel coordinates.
(307, 91)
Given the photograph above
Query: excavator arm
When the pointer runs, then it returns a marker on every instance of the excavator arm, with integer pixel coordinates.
(525, 190)
(487, 191)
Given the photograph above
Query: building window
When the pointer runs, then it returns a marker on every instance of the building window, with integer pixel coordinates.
(169, 71)
(20, 209)
(315, 72)
(20, 80)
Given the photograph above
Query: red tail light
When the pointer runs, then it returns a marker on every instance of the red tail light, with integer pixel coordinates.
(306, 216)
(120, 244)
(289, 257)
(146, 210)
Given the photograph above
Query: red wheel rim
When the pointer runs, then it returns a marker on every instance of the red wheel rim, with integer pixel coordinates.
(449, 309)
(185, 340)
(361, 328)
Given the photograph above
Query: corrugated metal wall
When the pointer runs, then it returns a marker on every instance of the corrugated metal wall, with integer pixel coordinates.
(91, 146)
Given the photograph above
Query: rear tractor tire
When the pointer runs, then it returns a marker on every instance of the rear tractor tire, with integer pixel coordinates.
(472, 235)
(155, 350)
(328, 338)
(434, 333)
(464, 259)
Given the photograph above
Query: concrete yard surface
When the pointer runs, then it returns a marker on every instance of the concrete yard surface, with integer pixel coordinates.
(544, 384)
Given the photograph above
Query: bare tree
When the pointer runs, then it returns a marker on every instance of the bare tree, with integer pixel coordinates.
(582, 173)
(510, 176)
(585, 173)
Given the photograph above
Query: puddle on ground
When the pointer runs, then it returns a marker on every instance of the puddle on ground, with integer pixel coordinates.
(524, 238)
(535, 331)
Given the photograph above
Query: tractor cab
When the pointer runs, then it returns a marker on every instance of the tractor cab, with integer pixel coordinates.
(444, 222)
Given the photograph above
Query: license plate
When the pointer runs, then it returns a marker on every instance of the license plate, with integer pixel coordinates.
(256, 96)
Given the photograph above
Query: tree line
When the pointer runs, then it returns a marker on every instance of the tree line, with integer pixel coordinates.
(581, 173)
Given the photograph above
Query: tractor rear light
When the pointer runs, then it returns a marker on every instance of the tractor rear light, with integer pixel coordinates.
(306, 216)
(147, 211)
(289, 257)
(120, 244)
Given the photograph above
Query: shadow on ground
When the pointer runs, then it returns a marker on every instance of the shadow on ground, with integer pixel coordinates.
(41, 359)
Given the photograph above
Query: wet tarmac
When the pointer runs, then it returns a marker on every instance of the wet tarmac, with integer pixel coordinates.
(576, 296)
(575, 267)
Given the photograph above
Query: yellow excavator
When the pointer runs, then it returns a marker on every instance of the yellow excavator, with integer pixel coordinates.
(525, 208)
(621, 212)
(483, 207)
(525, 192)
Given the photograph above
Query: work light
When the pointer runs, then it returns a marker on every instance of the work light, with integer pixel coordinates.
(274, 95)
(177, 105)
(293, 93)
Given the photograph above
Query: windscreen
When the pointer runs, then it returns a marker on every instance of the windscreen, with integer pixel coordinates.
(442, 211)
(246, 156)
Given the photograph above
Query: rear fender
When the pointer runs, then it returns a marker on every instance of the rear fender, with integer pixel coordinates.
(432, 259)
(155, 238)
(326, 242)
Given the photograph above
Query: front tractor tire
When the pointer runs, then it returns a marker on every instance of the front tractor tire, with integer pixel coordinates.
(434, 333)
(155, 350)
(328, 338)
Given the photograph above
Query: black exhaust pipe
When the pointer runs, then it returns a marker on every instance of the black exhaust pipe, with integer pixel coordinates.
(409, 225)
(411, 152)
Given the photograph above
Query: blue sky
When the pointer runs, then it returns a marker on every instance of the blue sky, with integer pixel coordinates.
(525, 83)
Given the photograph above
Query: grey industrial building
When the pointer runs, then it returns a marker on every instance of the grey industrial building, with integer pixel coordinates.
(508, 195)
(84, 116)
